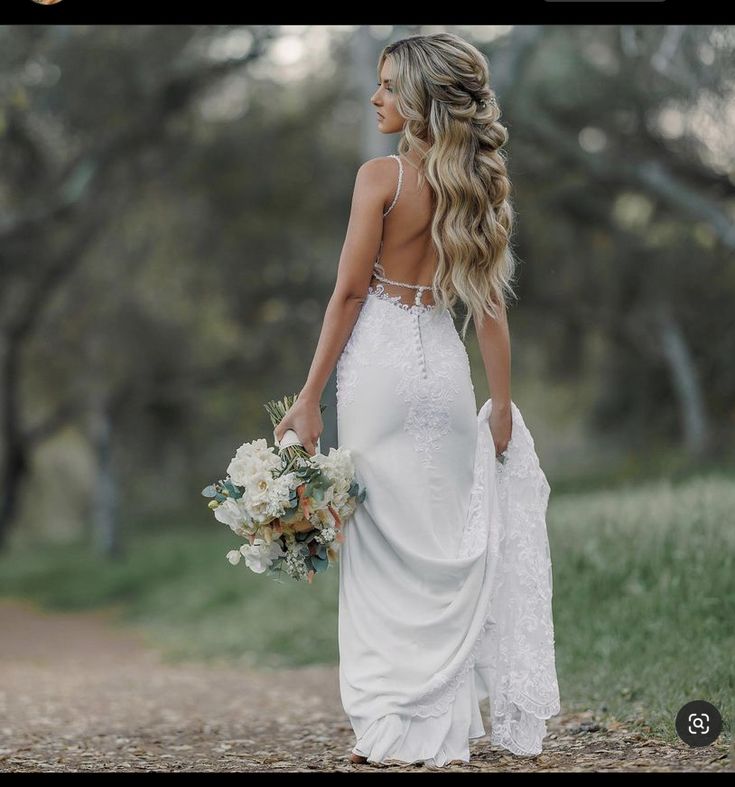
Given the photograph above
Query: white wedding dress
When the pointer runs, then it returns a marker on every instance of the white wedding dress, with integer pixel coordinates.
(445, 582)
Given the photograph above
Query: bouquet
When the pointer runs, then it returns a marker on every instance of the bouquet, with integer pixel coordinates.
(289, 505)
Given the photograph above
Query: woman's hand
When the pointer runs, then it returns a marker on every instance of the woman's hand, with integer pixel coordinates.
(501, 426)
(305, 418)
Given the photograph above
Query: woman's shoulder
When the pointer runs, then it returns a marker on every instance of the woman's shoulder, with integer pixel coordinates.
(379, 174)
(380, 165)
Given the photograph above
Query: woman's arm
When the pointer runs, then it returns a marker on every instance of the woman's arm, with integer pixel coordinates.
(361, 247)
(494, 340)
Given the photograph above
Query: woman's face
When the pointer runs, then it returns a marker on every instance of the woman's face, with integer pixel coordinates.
(384, 101)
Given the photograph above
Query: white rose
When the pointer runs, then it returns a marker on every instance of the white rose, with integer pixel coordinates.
(253, 457)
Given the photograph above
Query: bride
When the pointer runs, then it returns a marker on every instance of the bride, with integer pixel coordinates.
(445, 579)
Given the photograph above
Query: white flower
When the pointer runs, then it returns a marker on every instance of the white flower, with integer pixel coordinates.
(340, 470)
(233, 513)
(257, 486)
(337, 465)
(234, 556)
(280, 493)
(326, 535)
(268, 497)
(253, 457)
(260, 555)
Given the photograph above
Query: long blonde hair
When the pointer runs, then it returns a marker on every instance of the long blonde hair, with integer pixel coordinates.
(441, 84)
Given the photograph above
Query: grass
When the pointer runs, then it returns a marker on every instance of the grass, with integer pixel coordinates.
(644, 598)
(179, 589)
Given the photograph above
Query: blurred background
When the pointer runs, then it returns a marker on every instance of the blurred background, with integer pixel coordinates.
(173, 203)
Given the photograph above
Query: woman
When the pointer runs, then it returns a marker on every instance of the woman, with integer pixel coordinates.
(445, 573)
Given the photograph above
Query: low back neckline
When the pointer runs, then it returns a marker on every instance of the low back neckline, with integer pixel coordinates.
(379, 271)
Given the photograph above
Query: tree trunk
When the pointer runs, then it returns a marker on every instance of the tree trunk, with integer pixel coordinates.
(105, 522)
(685, 381)
(13, 461)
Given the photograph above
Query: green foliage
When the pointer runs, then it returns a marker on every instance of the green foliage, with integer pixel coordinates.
(644, 598)
(177, 585)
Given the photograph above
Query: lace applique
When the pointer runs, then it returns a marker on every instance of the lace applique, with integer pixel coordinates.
(429, 416)
(427, 387)
(346, 379)
(525, 691)
(379, 292)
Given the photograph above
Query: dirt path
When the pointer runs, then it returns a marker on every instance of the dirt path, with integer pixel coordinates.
(79, 693)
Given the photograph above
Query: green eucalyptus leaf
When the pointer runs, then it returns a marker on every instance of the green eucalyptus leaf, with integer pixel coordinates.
(233, 489)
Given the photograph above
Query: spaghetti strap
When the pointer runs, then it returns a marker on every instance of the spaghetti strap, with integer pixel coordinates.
(400, 183)
(379, 271)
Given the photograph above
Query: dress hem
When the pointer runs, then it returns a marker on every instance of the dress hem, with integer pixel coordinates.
(443, 719)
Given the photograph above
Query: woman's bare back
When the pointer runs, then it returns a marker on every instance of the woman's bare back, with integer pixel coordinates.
(407, 254)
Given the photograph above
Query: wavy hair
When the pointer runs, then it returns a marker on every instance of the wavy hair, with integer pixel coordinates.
(441, 85)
